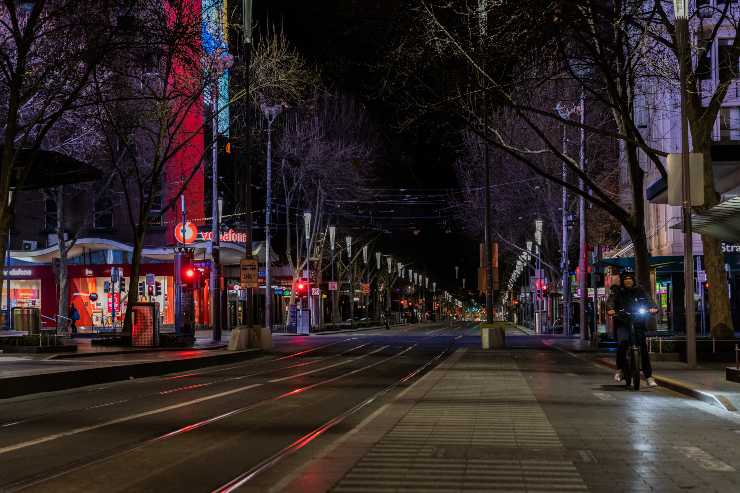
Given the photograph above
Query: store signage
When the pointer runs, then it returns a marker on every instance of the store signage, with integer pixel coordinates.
(730, 247)
(332, 286)
(17, 273)
(190, 233)
(248, 273)
(93, 297)
(365, 287)
(231, 236)
(315, 291)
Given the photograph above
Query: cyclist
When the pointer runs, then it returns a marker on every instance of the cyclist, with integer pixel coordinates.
(625, 297)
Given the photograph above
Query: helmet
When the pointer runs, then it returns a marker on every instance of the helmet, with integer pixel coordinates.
(626, 274)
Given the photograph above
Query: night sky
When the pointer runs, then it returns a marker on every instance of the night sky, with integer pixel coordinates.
(347, 40)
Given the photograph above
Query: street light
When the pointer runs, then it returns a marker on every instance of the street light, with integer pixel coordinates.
(681, 11)
(332, 238)
(271, 112)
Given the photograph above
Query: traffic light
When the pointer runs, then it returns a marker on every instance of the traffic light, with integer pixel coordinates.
(150, 290)
(158, 288)
(300, 287)
(141, 289)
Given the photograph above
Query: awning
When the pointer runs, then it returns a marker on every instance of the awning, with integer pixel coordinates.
(49, 169)
(231, 253)
(721, 221)
(725, 167)
(668, 263)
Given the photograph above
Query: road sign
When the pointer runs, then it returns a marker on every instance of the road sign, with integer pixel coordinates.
(249, 273)
(332, 286)
(315, 291)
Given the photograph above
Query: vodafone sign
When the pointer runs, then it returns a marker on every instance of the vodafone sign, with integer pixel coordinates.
(190, 231)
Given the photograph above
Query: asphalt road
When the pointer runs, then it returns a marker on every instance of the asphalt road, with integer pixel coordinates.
(200, 430)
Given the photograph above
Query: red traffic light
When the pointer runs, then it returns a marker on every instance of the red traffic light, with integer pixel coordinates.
(301, 286)
(189, 273)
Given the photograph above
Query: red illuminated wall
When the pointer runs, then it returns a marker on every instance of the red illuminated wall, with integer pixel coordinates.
(186, 78)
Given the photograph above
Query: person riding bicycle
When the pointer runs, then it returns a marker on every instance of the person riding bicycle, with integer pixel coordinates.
(623, 298)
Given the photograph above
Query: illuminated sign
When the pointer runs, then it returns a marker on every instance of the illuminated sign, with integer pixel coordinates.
(231, 236)
(190, 231)
(17, 273)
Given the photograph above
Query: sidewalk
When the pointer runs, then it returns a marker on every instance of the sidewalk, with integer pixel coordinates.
(707, 382)
(22, 374)
(468, 424)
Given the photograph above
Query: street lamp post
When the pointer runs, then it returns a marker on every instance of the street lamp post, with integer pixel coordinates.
(307, 273)
(681, 11)
(270, 112)
(332, 238)
(348, 239)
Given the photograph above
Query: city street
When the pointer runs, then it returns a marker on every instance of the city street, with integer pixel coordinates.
(531, 418)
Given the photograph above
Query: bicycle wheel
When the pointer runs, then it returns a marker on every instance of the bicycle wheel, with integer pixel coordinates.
(635, 369)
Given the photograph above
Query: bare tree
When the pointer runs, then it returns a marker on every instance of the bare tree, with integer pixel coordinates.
(50, 52)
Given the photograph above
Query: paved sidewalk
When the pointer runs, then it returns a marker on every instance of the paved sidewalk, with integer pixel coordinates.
(707, 382)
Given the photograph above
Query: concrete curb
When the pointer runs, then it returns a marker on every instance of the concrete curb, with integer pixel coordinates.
(48, 382)
(133, 351)
(684, 388)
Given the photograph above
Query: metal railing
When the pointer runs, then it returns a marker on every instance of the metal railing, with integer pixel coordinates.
(660, 339)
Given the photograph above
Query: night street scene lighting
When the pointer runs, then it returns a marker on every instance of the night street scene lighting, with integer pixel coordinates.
(414, 245)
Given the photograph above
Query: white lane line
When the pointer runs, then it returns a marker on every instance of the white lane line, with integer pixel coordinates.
(704, 459)
(317, 370)
(604, 396)
(84, 429)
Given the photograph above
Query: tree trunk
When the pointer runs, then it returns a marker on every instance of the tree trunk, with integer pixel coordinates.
(720, 317)
(133, 292)
(62, 266)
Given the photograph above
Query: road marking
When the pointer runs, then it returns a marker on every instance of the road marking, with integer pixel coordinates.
(705, 460)
(571, 374)
(84, 429)
(604, 396)
(317, 370)
(587, 456)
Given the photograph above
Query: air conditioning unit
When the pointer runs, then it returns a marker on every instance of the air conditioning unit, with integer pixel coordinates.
(30, 245)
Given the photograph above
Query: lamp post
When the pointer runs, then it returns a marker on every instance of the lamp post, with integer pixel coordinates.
(332, 238)
(307, 273)
(348, 240)
(224, 61)
(270, 112)
(681, 11)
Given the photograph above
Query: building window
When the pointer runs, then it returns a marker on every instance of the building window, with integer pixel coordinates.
(728, 60)
(103, 212)
(729, 124)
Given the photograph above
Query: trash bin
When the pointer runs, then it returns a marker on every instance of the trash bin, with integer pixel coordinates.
(26, 319)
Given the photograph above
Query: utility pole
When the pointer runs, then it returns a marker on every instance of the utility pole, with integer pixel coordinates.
(215, 230)
(583, 261)
(483, 13)
(244, 161)
(680, 8)
(351, 282)
(332, 238)
(307, 273)
(566, 315)
(271, 112)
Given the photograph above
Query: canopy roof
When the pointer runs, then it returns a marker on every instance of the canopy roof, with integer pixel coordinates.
(721, 221)
(49, 169)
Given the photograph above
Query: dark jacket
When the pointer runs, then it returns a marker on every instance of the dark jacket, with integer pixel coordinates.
(623, 298)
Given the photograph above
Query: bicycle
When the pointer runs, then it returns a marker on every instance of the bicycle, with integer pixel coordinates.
(634, 352)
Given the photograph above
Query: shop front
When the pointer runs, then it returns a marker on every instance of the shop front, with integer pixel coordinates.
(30, 287)
(100, 293)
